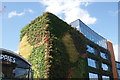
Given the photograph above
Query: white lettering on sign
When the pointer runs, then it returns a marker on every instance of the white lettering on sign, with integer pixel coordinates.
(7, 58)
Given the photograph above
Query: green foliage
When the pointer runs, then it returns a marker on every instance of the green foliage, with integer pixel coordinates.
(79, 40)
(37, 59)
(57, 26)
(60, 63)
(82, 65)
(36, 30)
(51, 59)
(23, 31)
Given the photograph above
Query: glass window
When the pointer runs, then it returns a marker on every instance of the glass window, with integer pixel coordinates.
(118, 73)
(76, 24)
(105, 67)
(14, 68)
(20, 73)
(103, 55)
(118, 65)
(93, 76)
(105, 78)
(93, 36)
(92, 63)
(90, 49)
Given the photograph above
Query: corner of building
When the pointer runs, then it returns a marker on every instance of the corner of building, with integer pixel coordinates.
(111, 50)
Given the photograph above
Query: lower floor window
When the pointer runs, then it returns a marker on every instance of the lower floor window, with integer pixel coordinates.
(105, 78)
(10, 70)
(20, 73)
(118, 73)
(93, 76)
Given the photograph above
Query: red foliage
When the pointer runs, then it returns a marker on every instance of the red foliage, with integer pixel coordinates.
(46, 39)
(70, 73)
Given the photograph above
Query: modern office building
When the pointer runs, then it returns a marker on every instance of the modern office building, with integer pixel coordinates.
(101, 60)
(118, 68)
(59, 50)
(13, 66)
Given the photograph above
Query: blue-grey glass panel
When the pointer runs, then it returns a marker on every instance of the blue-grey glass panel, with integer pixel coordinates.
(20, 73)
(90, 49)
(93, 36)
(103, 55)
(76, 24)
(118, 65)
(89, 33)
(93, 76)
(105, 67)
(118, 73)
(105, 78)
(92, 63)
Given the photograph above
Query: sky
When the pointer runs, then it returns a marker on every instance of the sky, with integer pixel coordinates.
(102, 17)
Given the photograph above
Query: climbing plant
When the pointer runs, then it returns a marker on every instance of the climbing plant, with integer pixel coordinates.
(50, 56)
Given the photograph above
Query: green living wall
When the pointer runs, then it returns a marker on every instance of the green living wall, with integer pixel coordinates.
(57, 49)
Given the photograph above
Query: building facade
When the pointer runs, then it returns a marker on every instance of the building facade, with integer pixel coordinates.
(101, 60)
(59, 50)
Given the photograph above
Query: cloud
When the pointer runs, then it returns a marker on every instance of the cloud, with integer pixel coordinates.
(71, 9)
(116, 51)
(14, 13)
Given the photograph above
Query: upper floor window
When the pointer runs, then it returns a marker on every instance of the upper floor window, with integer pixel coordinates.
(89, 33)
(90, 49)
(105, 67)
(103, 55)
(92, 63)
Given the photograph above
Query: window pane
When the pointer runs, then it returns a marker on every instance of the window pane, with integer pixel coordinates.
(90, 49)
(118, 73)
(20, 73)
(93, 36)
(92, 63)
(14, 69)
(93, 76)
(76, 24)
(105, 67)
(103, 55)
(105, 78)
(118, 65)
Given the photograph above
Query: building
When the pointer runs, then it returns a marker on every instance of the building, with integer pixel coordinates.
(13, 66)
(100, 53)
(118, 68)
(59, 50)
